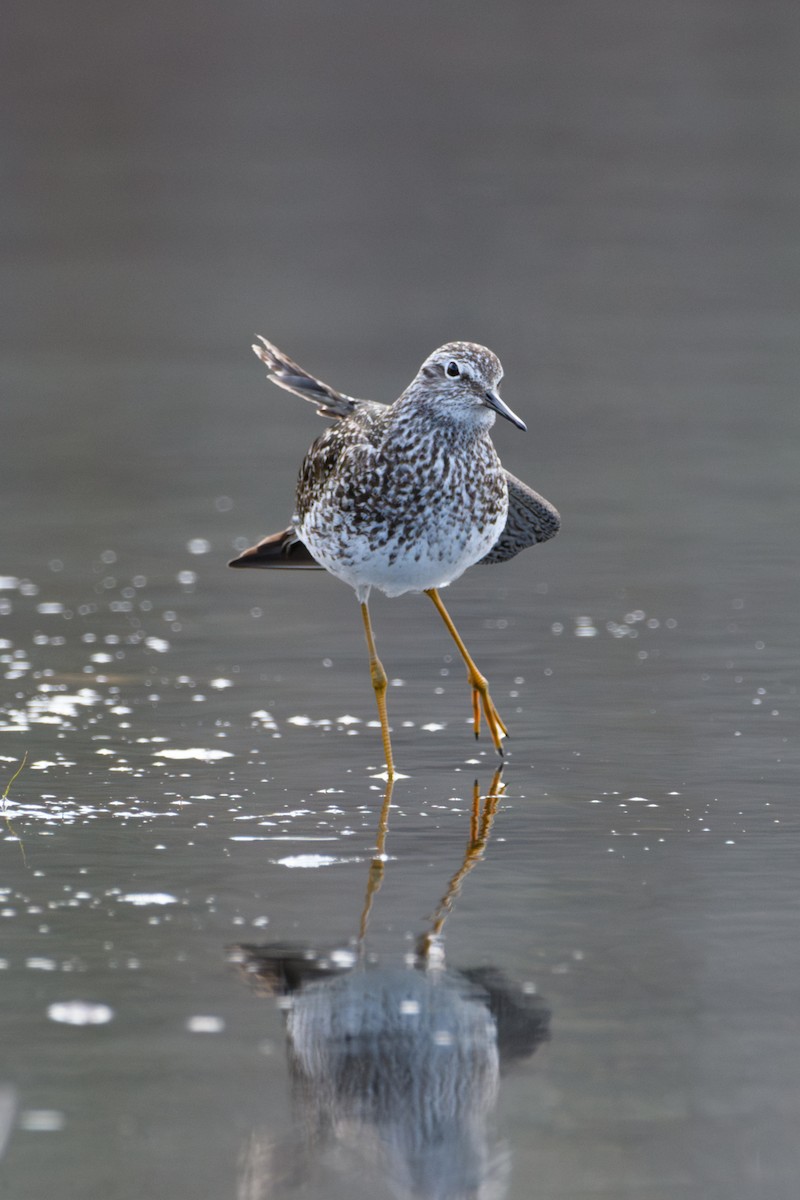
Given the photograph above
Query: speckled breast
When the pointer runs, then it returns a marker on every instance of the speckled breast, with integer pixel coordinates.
(404, 515)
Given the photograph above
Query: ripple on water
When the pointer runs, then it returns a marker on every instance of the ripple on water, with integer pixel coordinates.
(205, 1024)
(312, 861)
(199, 753)
(80, 1012)
(42, 1120)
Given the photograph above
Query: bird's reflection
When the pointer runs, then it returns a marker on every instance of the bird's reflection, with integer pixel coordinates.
(399, 1066)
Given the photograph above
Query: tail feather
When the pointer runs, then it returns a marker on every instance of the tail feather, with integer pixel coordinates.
(282, 549)
(287, 374)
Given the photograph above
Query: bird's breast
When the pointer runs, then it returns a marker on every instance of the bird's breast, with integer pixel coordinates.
(411, 515)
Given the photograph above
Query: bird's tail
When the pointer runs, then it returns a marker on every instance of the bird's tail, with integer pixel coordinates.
(287, 374)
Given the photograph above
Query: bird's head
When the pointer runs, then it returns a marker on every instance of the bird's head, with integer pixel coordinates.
(464, 378)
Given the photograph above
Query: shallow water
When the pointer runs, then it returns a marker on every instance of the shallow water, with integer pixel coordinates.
(198, 881)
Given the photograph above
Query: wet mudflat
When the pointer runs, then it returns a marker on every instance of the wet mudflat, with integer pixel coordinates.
(227, 961)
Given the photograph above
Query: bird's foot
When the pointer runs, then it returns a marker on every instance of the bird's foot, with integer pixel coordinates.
(482, 700)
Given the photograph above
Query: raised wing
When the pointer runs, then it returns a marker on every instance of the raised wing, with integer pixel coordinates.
(287, 374)
(531, 519)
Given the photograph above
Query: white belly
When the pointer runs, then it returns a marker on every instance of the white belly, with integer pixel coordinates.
(436, 558)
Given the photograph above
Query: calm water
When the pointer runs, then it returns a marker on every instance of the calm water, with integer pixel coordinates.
(226, 971)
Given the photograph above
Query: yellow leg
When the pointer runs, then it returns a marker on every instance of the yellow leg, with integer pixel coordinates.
(377, 866)
(478, 682)
(480, 826)
(379, 683)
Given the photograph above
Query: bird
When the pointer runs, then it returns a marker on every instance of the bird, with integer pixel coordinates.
(405, 497)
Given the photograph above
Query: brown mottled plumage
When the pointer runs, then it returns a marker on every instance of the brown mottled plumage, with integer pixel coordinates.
(405, 497)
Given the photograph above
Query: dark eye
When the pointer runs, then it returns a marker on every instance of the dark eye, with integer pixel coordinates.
(453, 370)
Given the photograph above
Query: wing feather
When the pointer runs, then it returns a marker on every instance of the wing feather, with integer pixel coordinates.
(287, 374)
(279, 550)
(531, 519)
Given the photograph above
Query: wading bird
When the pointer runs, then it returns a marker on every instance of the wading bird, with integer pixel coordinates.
(405, 497)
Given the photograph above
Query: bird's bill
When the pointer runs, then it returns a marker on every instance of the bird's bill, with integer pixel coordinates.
(494, 402)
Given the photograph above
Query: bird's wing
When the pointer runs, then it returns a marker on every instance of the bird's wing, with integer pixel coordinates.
(287, 374)
(531, 519)
(282, 549)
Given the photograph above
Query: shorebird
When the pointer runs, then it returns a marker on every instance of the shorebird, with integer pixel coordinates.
(405, 497)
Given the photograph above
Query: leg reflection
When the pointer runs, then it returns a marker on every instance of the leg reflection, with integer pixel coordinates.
(398, 1068)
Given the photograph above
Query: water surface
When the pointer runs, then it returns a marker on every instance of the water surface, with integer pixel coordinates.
(197, 886)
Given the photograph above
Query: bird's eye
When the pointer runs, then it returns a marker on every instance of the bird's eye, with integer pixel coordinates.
(452, 369)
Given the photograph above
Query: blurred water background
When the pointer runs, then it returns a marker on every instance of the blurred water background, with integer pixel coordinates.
(604, 194)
